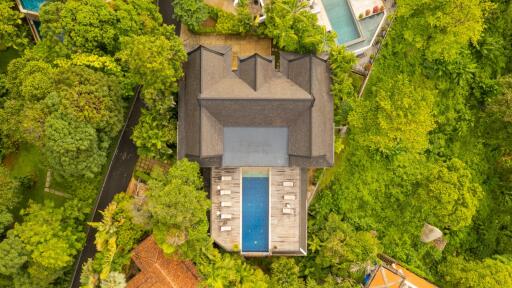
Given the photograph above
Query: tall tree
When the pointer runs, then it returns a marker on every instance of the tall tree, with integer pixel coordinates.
(449, 196)
(294, 28)
(154, 133)
(398, 119)
(82, 25)
(72, 148)
(285, 274)
(154, 62)
(460, 272)
(442, 27)
(177, 204)
(45, 244)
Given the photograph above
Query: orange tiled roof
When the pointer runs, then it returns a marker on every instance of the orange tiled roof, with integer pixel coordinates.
(159, 271)
(395, 277)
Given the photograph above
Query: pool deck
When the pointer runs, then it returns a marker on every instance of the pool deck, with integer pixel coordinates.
(287, 232)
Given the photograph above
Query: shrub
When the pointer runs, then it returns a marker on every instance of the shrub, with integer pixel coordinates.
(368, 11)
(375, 9)
(361, 15)
(191, 12)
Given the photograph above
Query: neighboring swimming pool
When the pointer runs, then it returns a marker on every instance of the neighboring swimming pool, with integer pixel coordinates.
(32, 5)
(342, 21)
(255, 212)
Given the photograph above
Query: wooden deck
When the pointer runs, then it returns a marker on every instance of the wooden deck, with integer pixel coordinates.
(285, 229)
(226, 239)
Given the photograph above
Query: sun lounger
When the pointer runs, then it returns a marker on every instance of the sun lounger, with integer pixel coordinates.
(226, 178)
(225, 192)
(225, 216)
(225, 228)
(289, 197)
(288, 184)
(225, 204)
(288, 211)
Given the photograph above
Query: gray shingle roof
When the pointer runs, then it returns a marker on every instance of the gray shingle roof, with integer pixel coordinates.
(297, 97)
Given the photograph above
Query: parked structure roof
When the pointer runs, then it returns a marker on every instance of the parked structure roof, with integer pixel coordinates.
(160, 271)
(212, 97)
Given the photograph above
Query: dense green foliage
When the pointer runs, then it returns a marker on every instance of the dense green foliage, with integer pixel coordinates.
(12, 33)
(190, 12)
(429, 142)
(294, 28)
(177, 206)
(118, 233)
(341, 62)
(37, 251)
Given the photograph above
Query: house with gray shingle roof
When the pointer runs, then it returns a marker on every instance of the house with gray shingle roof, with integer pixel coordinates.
(259, 129)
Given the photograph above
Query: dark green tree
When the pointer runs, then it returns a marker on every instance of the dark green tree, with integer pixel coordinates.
(177, 204)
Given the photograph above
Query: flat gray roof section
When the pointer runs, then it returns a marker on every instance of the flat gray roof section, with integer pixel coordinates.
(255, 146)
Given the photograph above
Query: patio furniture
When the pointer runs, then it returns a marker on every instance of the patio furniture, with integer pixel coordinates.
(288, 184)
(225, 228)
(289, 197)
(225, 192)
(288, 211)
(225, 216)
(226, 178)
(225, 204)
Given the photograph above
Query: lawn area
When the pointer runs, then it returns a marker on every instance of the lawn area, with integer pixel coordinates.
(28, 161)
(6, 56)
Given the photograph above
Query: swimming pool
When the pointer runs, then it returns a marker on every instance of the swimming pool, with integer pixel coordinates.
(32, 5)
(342, 20)
(255, 218)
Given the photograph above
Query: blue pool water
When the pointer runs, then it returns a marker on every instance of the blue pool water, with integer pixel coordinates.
(342, 20)
(255, 213)
(32, 5)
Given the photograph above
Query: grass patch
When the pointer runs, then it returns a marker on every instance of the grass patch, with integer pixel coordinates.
(6, 56)
(28, 161)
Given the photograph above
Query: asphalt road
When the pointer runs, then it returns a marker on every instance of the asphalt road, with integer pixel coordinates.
(118, 176)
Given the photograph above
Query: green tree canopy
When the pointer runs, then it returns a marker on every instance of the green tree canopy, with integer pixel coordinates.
(82, 25)
(294, 28)
(44, 245)
(397, 118)
(72, 148)
(442, 27)
(154, 62)
(449, 196)
(177, 204)
(341, 62)
(460, 272)
(340, 251)
(285, 274)
(12, 33)
(154, 134)
(191, 12)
